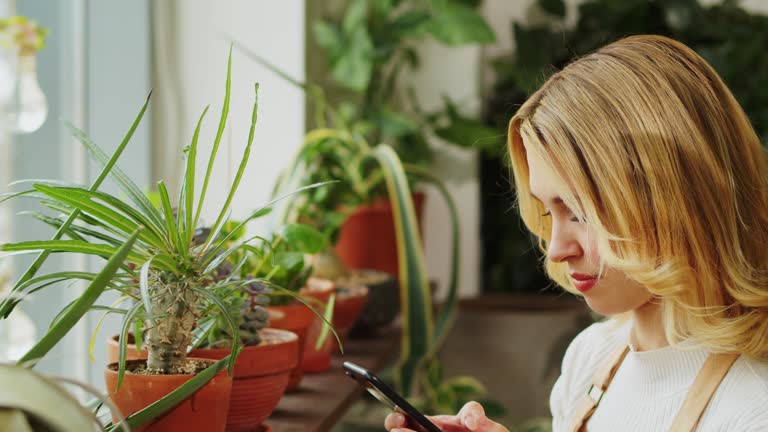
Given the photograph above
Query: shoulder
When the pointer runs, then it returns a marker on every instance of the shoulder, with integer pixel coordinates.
(742, 397)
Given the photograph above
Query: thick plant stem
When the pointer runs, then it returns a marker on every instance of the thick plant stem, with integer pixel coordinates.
(170, 329)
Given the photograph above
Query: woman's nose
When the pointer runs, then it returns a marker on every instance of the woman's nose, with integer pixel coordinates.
(563, 246)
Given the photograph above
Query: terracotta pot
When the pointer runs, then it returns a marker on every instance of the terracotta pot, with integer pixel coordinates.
(260, 377)
(350, 301)
(297, 318)
(367, 238)
(383, 303)
(206, 410)
(314, 360)
(113, 350)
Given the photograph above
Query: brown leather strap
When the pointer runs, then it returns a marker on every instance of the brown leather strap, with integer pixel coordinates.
(715, 367)
(600, 381)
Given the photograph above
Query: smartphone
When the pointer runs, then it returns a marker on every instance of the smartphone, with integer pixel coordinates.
(375, 386)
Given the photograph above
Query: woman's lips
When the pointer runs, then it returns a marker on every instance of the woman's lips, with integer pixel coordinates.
(583, 282)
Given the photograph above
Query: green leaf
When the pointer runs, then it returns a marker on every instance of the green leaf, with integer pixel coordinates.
(170, 221)
(472, 134)
(125, 326)
(416, 299)
(395, 124)
(9, 302)
(81, 306)
(234, 327)
(126, 184)
(553, 7)
(328, 36)
(146, 297)
(304, 238)
(435, 374)
(188, 191)
(411, 23)
(447, 314)
(354, 67)
(289, 261)
(356, 16)
(42, 399)
(216, 142)
(328, 315)
(217, 226)
(457, 24)
(75, 246)
(260, 211)
(466, 387)
(84, 201)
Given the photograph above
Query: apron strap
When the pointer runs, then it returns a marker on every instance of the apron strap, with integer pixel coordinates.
(710, 376)
(600, 381)
(713, 371)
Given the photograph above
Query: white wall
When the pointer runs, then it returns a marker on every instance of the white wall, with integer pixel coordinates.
(275, 30)
(454, 72)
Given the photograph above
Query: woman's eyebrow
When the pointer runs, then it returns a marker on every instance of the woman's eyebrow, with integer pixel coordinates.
(555, 200)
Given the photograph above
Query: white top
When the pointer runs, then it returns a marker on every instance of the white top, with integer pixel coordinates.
(650, 386)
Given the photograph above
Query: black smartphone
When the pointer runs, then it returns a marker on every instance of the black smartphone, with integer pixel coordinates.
(375, 386)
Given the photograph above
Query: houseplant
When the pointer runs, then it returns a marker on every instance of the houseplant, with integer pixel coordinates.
(279, 259)
(176, 277)
(365, 48)
(360, 168)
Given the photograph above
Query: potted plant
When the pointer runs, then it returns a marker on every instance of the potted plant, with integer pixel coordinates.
(177, 280)
(364, 48)
(281, 260)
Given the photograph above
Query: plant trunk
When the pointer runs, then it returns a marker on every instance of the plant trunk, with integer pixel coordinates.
(170, 330)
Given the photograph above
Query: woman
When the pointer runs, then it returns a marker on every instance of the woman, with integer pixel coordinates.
(646, 185)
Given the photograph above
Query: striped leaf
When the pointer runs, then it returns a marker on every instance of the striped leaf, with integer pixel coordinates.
(416, 303)
(42, 399)
(447, 313)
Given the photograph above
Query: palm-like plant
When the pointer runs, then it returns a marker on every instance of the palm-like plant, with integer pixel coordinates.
(169, 272)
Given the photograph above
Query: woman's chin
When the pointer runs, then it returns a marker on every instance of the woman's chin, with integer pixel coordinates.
(605, 306)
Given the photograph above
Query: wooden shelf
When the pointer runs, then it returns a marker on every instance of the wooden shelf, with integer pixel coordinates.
(322, 399)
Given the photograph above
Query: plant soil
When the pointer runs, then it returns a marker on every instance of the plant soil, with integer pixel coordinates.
(189, 367)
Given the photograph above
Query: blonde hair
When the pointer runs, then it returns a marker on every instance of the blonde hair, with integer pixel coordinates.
(660, 161)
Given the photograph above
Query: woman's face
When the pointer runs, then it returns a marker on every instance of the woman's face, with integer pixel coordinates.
(572, 243)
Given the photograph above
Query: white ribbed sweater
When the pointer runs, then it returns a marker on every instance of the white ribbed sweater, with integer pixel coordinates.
(650, 386)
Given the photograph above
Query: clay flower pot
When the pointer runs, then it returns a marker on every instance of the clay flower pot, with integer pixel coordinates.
(350, 301)
(260, 377)
(383, 303)
(204, 411)
(314, 360)
(298, 318)
(113, 350)
(373, 224)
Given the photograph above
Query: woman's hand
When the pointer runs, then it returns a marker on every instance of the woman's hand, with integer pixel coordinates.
(471, 418)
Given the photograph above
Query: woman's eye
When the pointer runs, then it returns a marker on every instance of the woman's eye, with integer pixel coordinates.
(549, 213)
(575, 219)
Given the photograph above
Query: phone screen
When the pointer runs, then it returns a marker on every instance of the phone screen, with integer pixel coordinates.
(376, 387)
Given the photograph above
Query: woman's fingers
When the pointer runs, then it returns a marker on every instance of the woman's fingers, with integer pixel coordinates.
(394, 420)
(471, 415)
